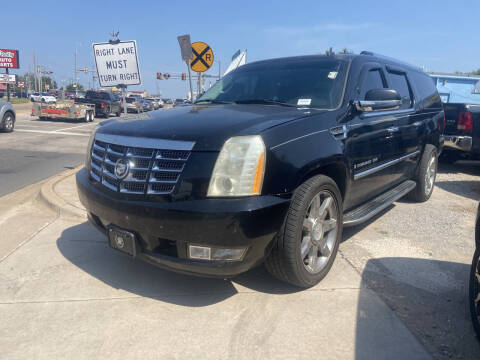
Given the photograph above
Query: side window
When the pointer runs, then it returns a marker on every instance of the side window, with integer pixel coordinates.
(427, 90)
(399, 82)
(373, 80)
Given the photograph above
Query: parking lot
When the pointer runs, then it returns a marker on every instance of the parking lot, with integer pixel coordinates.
(396, 290)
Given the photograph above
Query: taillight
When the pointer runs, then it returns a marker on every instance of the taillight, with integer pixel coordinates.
(74, 101)
(102, 105)
(465, 121)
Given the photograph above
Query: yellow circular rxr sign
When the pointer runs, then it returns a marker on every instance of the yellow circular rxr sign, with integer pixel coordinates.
(202, 59)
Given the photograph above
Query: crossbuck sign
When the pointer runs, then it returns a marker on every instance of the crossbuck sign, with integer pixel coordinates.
(117, 63)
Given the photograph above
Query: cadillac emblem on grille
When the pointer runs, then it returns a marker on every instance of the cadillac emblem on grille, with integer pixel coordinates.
(122, 168)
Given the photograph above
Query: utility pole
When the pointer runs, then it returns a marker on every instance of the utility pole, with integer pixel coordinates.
(75, 71)
(35, 79)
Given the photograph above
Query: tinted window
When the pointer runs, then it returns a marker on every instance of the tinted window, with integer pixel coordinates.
(398, 82)
(316, 83)
(373, 80)
(427, 90)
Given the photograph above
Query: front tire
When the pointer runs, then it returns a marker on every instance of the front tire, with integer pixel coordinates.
(306, 248)
(425, 176)
(8, 123)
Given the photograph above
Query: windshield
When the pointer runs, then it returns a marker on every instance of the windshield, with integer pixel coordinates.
(313, 83)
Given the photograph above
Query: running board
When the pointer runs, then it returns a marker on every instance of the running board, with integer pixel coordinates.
(373, 207)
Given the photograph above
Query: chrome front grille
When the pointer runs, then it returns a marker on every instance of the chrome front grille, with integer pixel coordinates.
(155, 166)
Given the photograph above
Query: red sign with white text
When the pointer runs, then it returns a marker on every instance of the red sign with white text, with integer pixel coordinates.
(20, 84)
(9, 59)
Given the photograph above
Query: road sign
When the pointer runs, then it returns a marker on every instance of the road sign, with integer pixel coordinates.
(117, 63)
(185, 47)
(20, 84)
(7, 78)
(9, 59)
(202, 57)
(47, 86)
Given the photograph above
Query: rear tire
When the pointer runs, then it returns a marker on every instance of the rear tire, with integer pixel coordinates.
(474, 292)
(425, 176)
(312, 230)
(118, 113)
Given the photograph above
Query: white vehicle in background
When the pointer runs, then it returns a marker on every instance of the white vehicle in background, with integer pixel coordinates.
(42, 97)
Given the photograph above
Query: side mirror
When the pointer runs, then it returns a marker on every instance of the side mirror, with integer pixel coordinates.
(379, 99)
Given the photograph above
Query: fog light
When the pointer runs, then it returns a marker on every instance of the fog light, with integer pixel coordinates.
(206, 253)
(199, 252)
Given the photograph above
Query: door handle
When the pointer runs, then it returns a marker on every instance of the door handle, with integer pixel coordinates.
(393, 129)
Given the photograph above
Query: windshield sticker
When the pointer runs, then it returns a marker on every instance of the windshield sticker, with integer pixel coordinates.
(304, 101)
(332, 74)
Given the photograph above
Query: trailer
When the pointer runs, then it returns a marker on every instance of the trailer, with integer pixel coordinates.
(64, 109)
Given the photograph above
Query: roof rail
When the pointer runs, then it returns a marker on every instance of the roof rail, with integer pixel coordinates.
(371, 53)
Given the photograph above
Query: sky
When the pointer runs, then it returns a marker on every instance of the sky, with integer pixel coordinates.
(436, 35)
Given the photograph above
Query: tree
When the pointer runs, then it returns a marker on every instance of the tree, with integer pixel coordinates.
(345, 51)
(477, 72)
(70, 87)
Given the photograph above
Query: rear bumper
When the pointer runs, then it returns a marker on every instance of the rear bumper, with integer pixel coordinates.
(250, 223)
(463, 143)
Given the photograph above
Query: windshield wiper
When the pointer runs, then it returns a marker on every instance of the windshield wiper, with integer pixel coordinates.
(213, 101)
(263, 101)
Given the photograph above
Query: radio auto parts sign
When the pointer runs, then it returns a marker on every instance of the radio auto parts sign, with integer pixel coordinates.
(9, 59)
(117, 63)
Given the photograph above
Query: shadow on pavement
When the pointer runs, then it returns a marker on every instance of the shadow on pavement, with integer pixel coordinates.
(86, 248)
(431, 299)
(469, 167)
(468, 189)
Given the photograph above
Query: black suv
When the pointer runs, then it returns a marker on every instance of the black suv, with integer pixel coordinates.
(267, 166)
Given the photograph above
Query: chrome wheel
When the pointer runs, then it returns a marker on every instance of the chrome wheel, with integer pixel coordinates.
(430, 174)
(319, 233)
(8, 123)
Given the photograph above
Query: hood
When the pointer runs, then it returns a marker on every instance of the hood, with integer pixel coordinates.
(207, 126)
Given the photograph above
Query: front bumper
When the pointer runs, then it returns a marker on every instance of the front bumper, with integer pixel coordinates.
(463, 143)
(249, 223)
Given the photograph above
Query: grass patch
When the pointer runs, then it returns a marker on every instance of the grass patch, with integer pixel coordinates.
(14, 100)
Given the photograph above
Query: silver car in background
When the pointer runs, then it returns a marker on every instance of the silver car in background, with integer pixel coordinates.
(7, 117)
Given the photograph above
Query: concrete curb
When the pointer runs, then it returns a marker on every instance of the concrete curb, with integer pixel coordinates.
(48, 196)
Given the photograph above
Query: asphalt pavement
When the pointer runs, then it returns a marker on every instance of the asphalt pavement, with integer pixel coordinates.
(38, 149)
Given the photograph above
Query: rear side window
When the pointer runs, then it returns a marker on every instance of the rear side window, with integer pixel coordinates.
(399, 82)
(427, 90)
(373, 80)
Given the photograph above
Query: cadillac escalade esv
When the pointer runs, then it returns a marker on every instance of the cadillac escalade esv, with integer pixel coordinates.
(267, 166)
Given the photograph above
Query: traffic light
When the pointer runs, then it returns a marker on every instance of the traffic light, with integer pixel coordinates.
(184, 76)
(159, 76)
(166, 76)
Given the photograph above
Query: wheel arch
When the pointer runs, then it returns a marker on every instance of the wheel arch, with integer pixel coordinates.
(335, 169)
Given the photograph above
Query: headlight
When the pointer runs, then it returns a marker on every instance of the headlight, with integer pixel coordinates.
(239, 168)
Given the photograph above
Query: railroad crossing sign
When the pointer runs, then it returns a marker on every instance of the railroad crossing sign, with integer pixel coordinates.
(202, 58)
